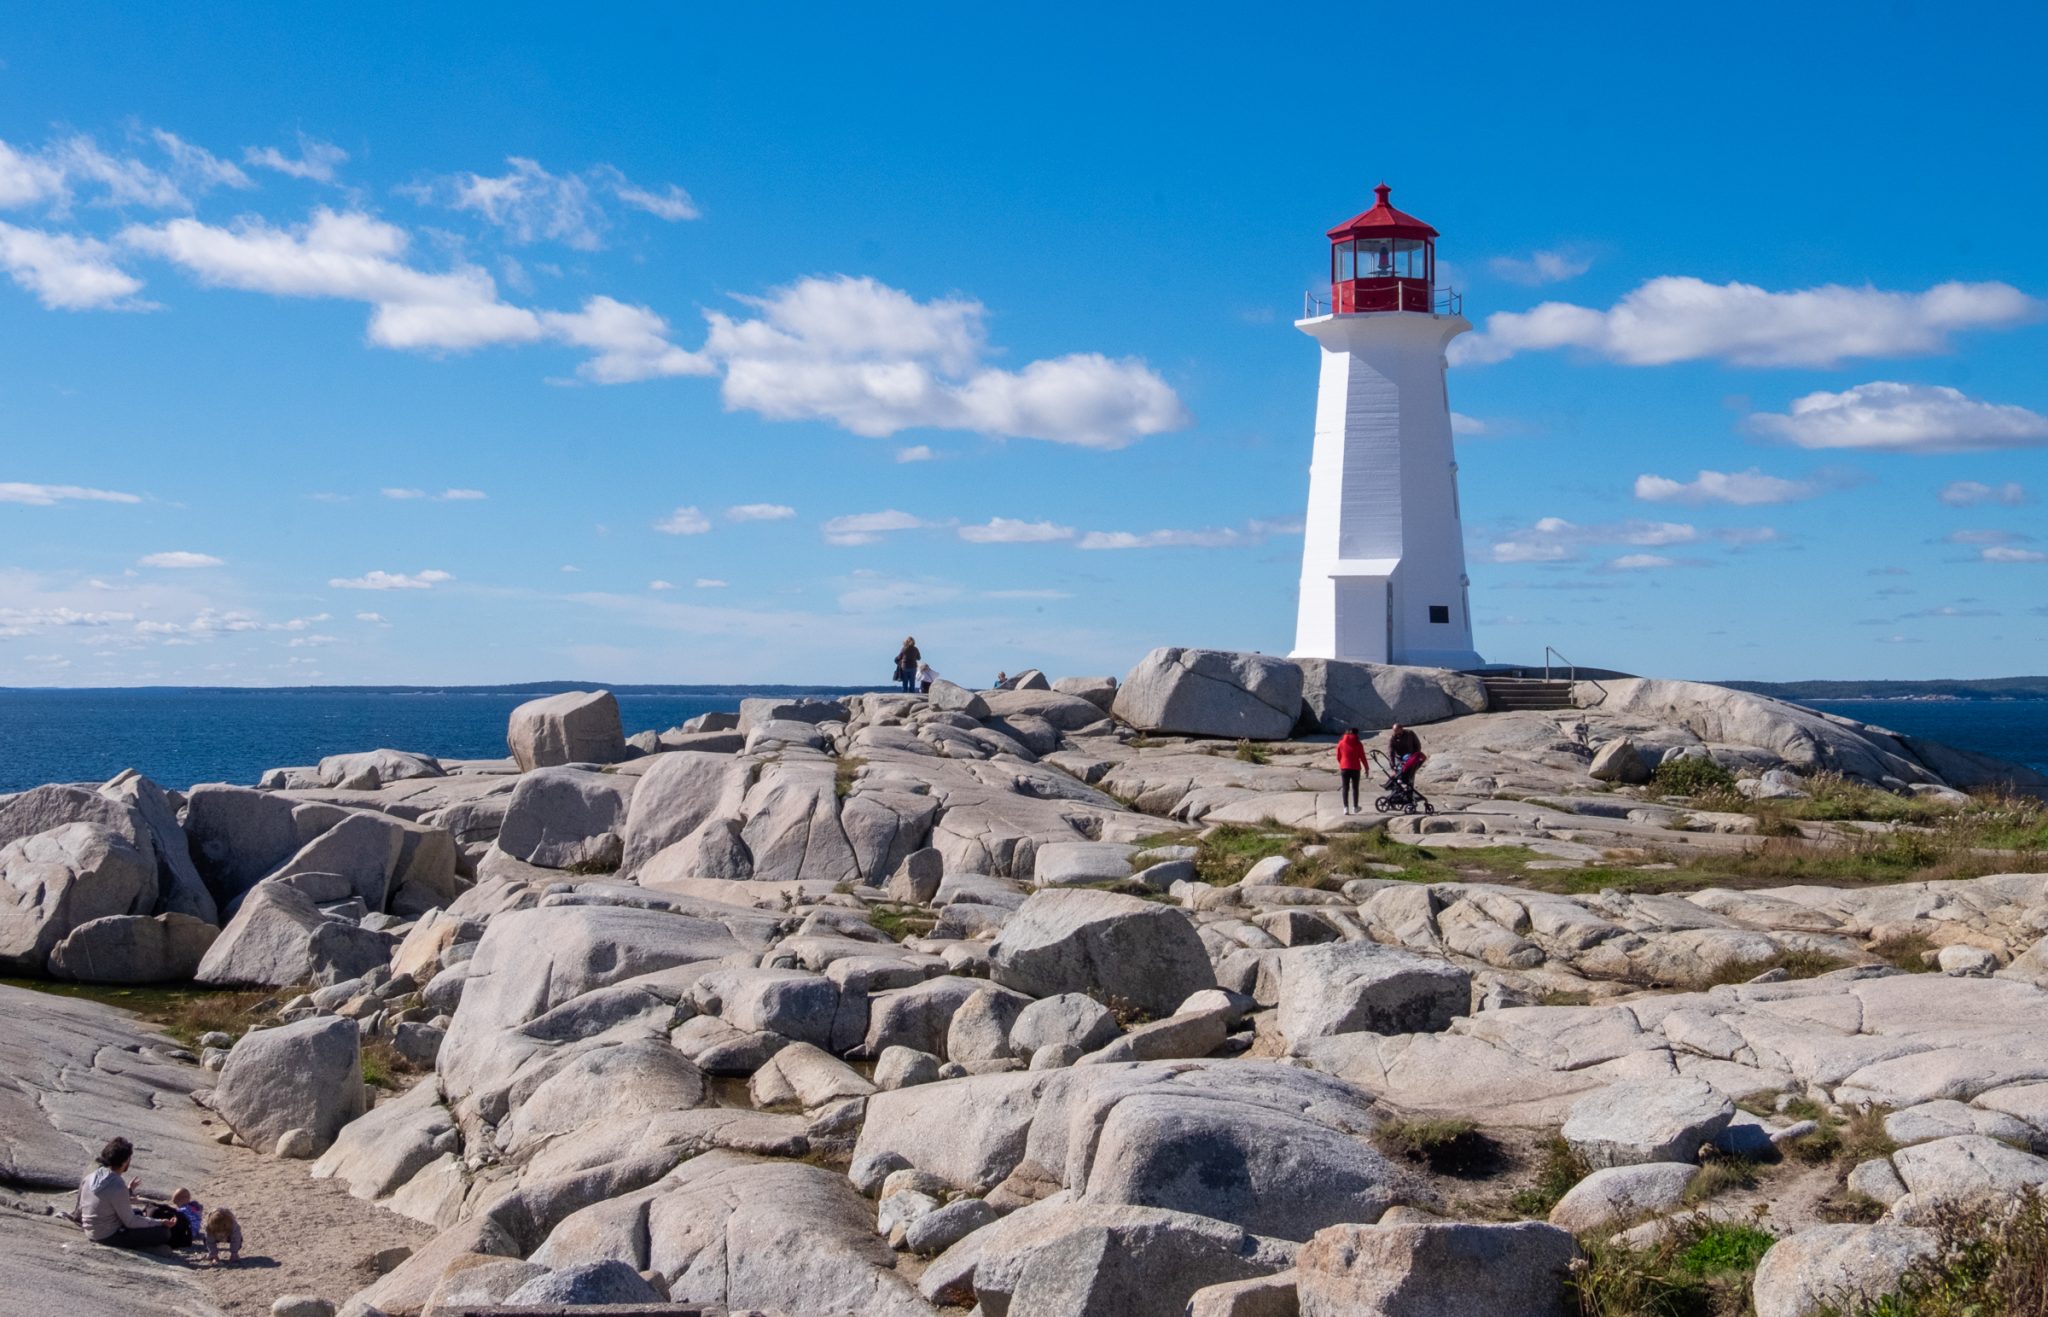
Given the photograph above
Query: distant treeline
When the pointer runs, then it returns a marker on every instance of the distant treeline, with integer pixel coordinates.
(507, 688)
(1988, 688)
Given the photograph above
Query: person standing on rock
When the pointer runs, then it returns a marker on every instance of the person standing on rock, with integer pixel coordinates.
(906, 664)
(1350, 763)
(106, 1203)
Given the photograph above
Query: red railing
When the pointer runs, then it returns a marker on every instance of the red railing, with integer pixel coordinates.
(1354, 298)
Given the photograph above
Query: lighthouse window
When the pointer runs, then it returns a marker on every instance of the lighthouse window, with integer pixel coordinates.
(1440, 612)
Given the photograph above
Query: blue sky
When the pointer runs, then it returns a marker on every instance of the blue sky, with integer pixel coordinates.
(486, 343)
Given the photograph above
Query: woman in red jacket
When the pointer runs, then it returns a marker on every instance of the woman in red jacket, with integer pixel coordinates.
(1350, 763)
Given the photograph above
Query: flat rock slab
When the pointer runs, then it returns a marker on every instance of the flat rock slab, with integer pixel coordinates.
(1651, 1120)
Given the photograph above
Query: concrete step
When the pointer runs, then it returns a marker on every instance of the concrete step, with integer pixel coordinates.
(1514, 694)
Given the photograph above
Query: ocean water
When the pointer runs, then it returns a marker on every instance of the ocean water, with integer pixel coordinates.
(179, 736)
(2011, 729)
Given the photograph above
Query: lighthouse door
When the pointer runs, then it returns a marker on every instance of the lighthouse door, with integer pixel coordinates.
(1362, 618)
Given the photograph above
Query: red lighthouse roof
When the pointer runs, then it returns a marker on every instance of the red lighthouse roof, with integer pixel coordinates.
(1382, 221)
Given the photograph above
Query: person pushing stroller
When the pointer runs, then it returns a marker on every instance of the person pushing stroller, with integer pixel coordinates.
(1404, 751)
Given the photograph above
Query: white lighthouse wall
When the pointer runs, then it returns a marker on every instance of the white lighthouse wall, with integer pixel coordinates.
(1383, 497)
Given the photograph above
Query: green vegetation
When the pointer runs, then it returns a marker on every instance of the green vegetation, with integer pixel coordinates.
(1906, 951)
(183, 1010)
(1991, 1261)
(1699, 1268)
(1797, 964)
(1558, 1170)
(1691, 776)
(1247, 753)
(843, 776)
(897, 922)
(1720, 1175)
(1447, 1147)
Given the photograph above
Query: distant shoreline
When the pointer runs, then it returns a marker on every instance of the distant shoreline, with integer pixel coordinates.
(1947, 691)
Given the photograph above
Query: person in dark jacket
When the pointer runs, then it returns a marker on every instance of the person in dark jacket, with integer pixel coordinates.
(1405, 749)
(906, 664)
(1350, 763)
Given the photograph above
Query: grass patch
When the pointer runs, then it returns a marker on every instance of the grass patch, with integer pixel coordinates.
(1557, 1170)
(1247, 753)
(1719, 1176)
(1906, 951)
(1447, 1147)
(382, 1064)
(1846, 1141)
(1694, 775)
(844, 774)
(1797, 964)
(1700, 1268)
(184, 1011)
(897, 922)
(1991, 1260)
(592, 868)
(1564, 997)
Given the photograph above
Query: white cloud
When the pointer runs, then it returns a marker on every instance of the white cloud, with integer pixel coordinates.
(915, 453)
(405, 494)
(26, 179)
(2006, 553)
(353, 257)
(19, 621)
(211, 622)
(631, 343)
(709, 583)
(314, 641)
(569, 567)
(1903, 418)
(532, 205)
(375, 619)
(198, 163)
(1677, 318)
(1541, 267)
(126, 180)
(1467, 425)
(66, 272)
(1987, 537)
(316, 161)
(883, 596)
(869, 527)
(669, 202)
(43, 496)
(1255, 531)
(461, 496)
(1749, 488)
(1006, 530)
(1636, 562)
(1529, 551)
(426, 580)
(1970, 493)
(1553, 539)
(684, 521)
(660, 585)
(760, 512)
(179, 558)
(875, 360)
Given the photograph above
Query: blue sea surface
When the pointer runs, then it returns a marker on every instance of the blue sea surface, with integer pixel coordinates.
(2010, 729)
(179, 736)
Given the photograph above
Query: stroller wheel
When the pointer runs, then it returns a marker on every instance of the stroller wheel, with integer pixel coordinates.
(1428, 808)
(1384, 805)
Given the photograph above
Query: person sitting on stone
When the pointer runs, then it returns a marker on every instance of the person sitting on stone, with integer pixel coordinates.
(106, 1203)
(925, 678)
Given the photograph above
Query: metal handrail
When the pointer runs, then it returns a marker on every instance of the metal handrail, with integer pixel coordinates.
(1444, 301)
(1571, 670)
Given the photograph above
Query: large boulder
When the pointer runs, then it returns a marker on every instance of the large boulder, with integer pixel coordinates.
(1448, 1269)
(52, 882)
(1337, 695)
(1647, 1120)
(1098, 691)
(575, 727)
(1084, 1259)
(1210, 692)
(1120, 947)
(562, 818)
(1066, 713)
(280, 937)
(302, 1076)
(133, 949)
(608, 1282)
(373, 770)
(362, 848)
(1622, 1195)
(180, 889)
(1364, 987)
(1830, 1268)
(676, 796)
(240, 836)
(759, 710)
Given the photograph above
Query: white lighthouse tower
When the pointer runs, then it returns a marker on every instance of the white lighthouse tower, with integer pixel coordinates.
(1383, 565)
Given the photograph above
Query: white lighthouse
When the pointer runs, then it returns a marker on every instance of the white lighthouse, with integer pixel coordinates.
(1383, 565)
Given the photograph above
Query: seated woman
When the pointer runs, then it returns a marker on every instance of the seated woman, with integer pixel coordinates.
(106, 1203)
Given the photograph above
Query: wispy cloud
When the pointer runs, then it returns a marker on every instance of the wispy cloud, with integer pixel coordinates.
(760, 512)
(403, 493)
(1971, 493)
(1677, 318)
(709, 583)
(684, 521)
(915, 453)
(43, 496)
(316, 161)
(530, 204)
(1007, 530)
(66, 272)
(1541, 267)
(1554, 539)
(868, 527)
(1222, 537)
(1749, 488)
(2007, 553)
(380, 580)
(178, 559)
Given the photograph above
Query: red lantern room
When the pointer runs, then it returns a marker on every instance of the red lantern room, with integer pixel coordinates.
(1383, 260)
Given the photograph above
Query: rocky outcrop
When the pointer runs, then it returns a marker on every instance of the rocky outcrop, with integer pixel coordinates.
(1208, 692)
(133, 949)
(53, 882)
(564, 818)
(1451, 1269)
(575, 727)
(1119, 947)
(1337, 695)
(280, 937)
(304, 1076)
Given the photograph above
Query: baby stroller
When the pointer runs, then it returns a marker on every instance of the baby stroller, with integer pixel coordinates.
(1401, 796)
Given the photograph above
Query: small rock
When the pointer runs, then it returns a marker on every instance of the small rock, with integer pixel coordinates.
(1966, 962)
(937, 1231)
(301, 1305)
(298, 1145)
